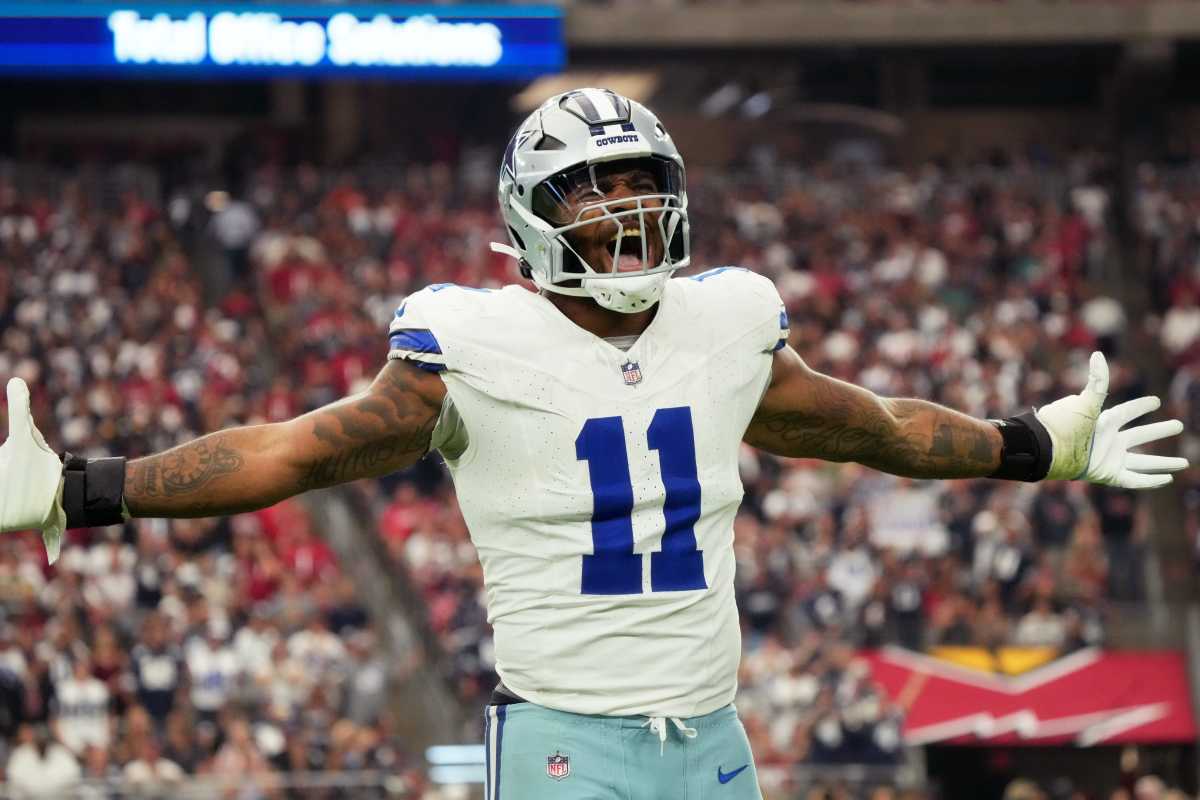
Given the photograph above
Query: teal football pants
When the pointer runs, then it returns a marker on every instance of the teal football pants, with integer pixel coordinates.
(535, 753)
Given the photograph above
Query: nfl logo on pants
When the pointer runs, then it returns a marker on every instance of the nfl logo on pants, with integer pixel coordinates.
(558, 766)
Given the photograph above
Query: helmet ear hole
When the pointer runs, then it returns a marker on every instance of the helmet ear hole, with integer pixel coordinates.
(525, 269)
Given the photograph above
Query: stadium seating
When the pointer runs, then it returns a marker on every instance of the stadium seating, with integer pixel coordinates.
(971, 284)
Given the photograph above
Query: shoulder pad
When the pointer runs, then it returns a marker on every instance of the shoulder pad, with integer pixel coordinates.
(423, 328)
(754, 299)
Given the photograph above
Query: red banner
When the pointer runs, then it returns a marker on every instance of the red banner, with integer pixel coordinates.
(1086, 698)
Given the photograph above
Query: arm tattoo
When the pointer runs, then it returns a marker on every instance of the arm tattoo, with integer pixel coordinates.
(367, 458)
(188, 468)
(183, 469)
(815, 434)
(960, 446)
(240, 469)
(143, 480)
(954, 440)
(913, 438)
(385, 427)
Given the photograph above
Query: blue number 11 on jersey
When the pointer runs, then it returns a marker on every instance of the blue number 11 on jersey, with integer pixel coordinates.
(614, 568)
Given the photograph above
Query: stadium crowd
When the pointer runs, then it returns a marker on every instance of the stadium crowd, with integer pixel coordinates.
(1165, 206)
(235, 647)
(230, 648)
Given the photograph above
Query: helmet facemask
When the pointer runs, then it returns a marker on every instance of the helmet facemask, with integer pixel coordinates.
(644, 233)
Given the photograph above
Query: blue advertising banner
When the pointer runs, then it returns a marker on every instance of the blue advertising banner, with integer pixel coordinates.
(230, 40)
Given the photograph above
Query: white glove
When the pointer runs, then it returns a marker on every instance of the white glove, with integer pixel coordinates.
(1090, 445)
(30, 476)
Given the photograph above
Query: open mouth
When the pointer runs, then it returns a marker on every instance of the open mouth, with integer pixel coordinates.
(626, 250)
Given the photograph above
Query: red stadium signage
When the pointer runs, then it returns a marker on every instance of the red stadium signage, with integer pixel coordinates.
(1087, 698)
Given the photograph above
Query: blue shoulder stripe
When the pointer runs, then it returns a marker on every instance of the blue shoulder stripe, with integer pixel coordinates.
(437, 287)
(783, 331)
(703, 276)
(414, 340)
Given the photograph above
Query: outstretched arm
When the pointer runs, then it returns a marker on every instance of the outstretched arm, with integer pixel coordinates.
(808, 415)
(805, 414)
(384, 429)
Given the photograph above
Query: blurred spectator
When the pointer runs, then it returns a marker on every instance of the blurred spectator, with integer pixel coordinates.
(320, 653)
(99, 775)
(41, 767)
(157, 669)
(212, 670)
(254, 642)
(367, 681)
(1040, 627)
(243, 769)
(150, 773)
(81, 710)
(234, 225)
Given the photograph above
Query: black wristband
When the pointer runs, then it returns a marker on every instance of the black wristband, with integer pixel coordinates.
(93, 491)
(1026, 453)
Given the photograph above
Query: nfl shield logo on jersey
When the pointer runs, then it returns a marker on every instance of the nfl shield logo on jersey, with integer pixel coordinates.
(558, 766)
(632, 373)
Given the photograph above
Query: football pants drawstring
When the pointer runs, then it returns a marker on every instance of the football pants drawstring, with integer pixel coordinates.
(658, 726)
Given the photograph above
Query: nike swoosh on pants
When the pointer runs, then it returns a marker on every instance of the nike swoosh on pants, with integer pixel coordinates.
(726, 777)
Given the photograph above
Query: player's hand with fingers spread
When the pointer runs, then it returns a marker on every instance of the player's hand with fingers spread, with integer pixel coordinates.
(31, 476)
(1089, 444)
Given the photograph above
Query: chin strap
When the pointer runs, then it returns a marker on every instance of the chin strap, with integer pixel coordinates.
(512, 252)
(573, 291)
(506, 249)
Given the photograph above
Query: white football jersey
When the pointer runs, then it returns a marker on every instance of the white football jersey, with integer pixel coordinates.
(600, 485)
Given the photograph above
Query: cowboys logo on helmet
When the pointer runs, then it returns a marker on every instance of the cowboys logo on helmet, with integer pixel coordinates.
(588, 158)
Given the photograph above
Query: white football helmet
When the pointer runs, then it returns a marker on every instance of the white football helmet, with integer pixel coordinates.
(571, 143)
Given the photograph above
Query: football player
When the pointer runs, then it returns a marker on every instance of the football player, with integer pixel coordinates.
(592, 431)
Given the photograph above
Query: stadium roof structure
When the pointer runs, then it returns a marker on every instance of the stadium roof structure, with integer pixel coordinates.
(829, 23)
